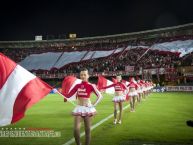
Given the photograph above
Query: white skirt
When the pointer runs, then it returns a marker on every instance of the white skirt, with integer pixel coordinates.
(119, 99)
(84, 111)
(140, 90)
(144, 89)
(133, 94)
(151, 87)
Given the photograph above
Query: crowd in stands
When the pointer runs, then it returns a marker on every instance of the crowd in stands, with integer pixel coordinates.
(138, 57)
(18, 54)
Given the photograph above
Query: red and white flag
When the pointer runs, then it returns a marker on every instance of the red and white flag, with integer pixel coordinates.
(125, 82)
(103, 82)
(19, 90)
(68, 83)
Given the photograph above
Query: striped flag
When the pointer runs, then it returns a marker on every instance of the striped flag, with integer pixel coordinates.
(19, 90)
(103, 82)
(68, 83)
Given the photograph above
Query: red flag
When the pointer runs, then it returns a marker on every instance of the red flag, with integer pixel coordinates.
(19, 90)
(68, 83)
(103, 82)
(114, 80)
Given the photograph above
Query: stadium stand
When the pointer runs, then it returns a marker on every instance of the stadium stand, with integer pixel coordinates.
(144, 53)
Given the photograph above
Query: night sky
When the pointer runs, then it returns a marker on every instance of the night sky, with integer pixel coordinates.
(22, 20)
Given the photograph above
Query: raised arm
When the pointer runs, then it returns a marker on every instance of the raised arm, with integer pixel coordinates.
(109, 86)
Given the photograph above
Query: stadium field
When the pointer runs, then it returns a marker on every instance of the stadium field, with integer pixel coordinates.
(160, 119)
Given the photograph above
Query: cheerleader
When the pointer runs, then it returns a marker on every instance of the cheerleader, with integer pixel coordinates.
(147, 88)
(119, 98)
(144, 89)
(139, 91)
(132, 93)
(151, 86)
(85, 109)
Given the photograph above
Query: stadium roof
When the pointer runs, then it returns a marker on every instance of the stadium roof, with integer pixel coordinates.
(185, 29)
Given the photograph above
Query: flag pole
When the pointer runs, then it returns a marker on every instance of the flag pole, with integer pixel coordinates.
(56, 91)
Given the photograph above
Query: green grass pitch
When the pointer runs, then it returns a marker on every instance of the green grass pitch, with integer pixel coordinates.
(161, 119)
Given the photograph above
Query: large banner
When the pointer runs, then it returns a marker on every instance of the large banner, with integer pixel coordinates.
(179, 88)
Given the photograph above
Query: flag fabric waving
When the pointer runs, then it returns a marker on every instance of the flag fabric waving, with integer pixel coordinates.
(68, 83)
(19, 90)
(123, 81)
(103, 82)
(114, 80)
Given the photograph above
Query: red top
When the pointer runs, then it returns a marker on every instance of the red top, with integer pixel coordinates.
(140, 84)
(133, 85)
(83, 90)
(151, 83)
(119, 86)
(143, 83)
(146, 84)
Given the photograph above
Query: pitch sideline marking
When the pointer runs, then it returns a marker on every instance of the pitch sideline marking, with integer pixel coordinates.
(72, 140)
